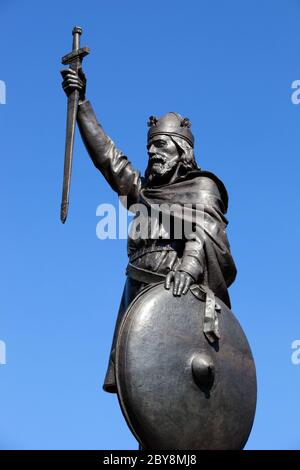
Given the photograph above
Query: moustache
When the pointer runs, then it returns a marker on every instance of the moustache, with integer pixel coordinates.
(157, 159)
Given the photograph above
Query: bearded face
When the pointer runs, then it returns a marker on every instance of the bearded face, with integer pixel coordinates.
(163, 158)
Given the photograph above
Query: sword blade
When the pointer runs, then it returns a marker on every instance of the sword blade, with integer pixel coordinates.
(70, 134)
(74, 60)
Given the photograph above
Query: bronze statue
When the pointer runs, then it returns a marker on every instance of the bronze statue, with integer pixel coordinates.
(179, 361)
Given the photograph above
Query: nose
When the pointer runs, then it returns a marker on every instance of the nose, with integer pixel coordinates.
(151, 150)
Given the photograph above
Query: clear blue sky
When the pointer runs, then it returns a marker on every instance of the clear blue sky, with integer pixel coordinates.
(228, 66)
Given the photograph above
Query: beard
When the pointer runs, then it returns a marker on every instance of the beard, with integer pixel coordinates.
(159, 170)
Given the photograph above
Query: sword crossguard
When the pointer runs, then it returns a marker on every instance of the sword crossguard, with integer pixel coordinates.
(78, 53)
(74, 55)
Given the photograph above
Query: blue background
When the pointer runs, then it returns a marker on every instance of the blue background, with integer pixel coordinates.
(228, 66)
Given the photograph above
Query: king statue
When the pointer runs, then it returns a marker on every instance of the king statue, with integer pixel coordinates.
(179, 362)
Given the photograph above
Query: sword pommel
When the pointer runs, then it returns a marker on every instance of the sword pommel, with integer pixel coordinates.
(74, 55)
(77, 31)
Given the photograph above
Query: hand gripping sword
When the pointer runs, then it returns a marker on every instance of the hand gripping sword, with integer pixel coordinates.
(74, 59)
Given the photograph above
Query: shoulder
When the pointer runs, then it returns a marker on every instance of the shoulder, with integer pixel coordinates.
(210, 182)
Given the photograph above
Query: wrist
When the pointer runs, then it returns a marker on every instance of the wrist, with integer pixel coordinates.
(185, 272)
(191, 266)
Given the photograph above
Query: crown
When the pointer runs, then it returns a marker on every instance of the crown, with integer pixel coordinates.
(171, 124)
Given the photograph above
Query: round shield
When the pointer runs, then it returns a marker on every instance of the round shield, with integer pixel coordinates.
(177, 390)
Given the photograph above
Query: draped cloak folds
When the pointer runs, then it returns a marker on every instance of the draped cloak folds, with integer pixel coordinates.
(197, 201)
(200, 201)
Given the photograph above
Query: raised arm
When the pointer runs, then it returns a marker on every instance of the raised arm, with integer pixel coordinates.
(114, 166)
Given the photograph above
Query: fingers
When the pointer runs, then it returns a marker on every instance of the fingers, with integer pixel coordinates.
(181, 282)
(71, 81)
(177, 283)
(69, 88)
(65, 72)
(169, 279)
(69, 74)
(182, 278)
(75, 82)
(188, 282)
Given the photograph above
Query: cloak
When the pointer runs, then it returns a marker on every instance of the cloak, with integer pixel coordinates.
(199, 200)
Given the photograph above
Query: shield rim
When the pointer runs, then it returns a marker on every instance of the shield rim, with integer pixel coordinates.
(119, 394)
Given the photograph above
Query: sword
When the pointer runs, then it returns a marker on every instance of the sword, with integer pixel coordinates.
(74, 59)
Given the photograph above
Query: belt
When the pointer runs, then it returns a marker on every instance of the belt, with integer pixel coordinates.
(143, 275)
(151, 249)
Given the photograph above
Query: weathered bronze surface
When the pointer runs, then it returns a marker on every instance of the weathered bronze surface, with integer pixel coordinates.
(74, 60)
(185, 375)
(177, 390)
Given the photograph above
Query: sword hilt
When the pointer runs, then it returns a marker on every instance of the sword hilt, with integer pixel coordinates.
(77, 52)
(77, 31)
